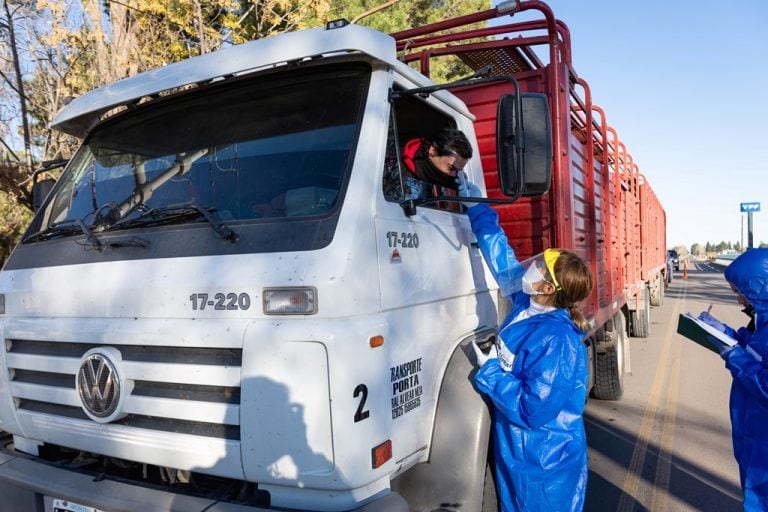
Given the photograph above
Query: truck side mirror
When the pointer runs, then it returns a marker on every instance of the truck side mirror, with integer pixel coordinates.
(524, 158)
(40, 191)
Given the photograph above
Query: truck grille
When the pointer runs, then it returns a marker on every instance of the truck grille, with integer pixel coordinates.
(175, 389)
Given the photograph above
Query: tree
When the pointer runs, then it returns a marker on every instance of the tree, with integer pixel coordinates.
(414, 13)
(262, 18)
(15, 220)
(17, 83)
(696, 249)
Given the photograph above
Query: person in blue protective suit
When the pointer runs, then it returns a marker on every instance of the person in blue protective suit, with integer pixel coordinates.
(536, 376)
(748, 277)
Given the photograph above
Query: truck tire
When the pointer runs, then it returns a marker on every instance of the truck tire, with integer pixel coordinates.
(657, 291)
(609, 366)
(640, 318)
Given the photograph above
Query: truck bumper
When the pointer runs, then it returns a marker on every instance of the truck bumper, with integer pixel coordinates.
(24, 484)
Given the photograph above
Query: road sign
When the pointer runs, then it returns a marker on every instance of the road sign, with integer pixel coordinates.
(750, 207)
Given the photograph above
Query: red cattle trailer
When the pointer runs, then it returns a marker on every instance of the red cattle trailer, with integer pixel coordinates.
(599, 204)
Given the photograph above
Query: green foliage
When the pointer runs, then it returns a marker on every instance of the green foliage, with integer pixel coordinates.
(696, 249)
(405, 13)
(414, 13)
(15, 220)
(712, 248)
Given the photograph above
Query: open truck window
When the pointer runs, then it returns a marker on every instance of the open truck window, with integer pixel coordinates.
(411, 118)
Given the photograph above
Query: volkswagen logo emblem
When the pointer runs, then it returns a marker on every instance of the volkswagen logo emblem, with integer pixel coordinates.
(99, 385)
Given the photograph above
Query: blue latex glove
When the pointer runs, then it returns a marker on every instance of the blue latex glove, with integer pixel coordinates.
(721, 347)
(708, 319)
(467, 188)
(724, 349)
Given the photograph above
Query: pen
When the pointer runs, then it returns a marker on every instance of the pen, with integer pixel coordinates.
(709, 308)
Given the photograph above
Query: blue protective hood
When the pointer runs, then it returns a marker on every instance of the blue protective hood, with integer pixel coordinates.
(749, 274)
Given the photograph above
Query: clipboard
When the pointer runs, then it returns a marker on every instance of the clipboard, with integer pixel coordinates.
(703, 333)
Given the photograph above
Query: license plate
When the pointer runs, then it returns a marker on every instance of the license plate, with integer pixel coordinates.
(68, 506)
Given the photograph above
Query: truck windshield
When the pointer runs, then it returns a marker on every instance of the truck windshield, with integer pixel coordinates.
(274, 148)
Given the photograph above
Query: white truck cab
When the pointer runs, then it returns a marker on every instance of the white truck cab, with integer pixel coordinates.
(223, 287)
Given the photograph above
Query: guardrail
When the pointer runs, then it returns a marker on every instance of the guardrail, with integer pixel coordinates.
(724, 259)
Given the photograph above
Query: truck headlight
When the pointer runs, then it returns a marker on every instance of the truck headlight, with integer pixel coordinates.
(298, 300)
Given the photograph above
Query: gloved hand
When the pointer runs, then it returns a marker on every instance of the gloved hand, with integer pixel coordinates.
(467, 188)
(481, 356)
(724, 349)
(708, 319)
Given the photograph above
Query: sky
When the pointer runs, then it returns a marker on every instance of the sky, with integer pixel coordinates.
(685, 84)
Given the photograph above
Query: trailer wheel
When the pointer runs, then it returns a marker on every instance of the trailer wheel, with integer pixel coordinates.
(640, 318)
(609, 366)
(657, 291)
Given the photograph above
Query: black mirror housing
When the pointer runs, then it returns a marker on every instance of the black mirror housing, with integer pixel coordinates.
(524, 145)
(40, 191)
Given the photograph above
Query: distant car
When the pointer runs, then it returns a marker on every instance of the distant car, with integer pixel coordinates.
(673, 257)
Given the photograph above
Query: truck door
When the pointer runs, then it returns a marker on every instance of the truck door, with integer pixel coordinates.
(428, 256)
(429, 271)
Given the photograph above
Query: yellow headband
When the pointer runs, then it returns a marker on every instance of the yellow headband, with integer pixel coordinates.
(550, 257)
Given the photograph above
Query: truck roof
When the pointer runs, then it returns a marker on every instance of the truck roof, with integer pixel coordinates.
(83, 113)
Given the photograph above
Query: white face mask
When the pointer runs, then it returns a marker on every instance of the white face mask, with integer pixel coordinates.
(531, 276)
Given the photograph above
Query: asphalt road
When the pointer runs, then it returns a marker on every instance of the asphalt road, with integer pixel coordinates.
(666, 446)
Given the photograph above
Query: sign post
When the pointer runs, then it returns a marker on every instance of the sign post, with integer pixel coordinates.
(749, 208)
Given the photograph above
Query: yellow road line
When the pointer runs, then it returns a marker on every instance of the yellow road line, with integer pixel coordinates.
(664, 466)
(633, 477)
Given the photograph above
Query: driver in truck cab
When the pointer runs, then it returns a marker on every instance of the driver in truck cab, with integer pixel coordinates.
(433, 163)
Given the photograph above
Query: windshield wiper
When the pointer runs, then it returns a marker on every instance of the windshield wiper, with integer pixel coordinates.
(68, 228)
(55, 231)
(78, 227)
(177, 213)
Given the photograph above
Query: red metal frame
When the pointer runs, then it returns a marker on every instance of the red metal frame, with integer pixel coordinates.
(599, 205)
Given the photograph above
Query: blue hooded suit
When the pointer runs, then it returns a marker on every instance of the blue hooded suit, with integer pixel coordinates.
(540, 447)
(749, 393)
